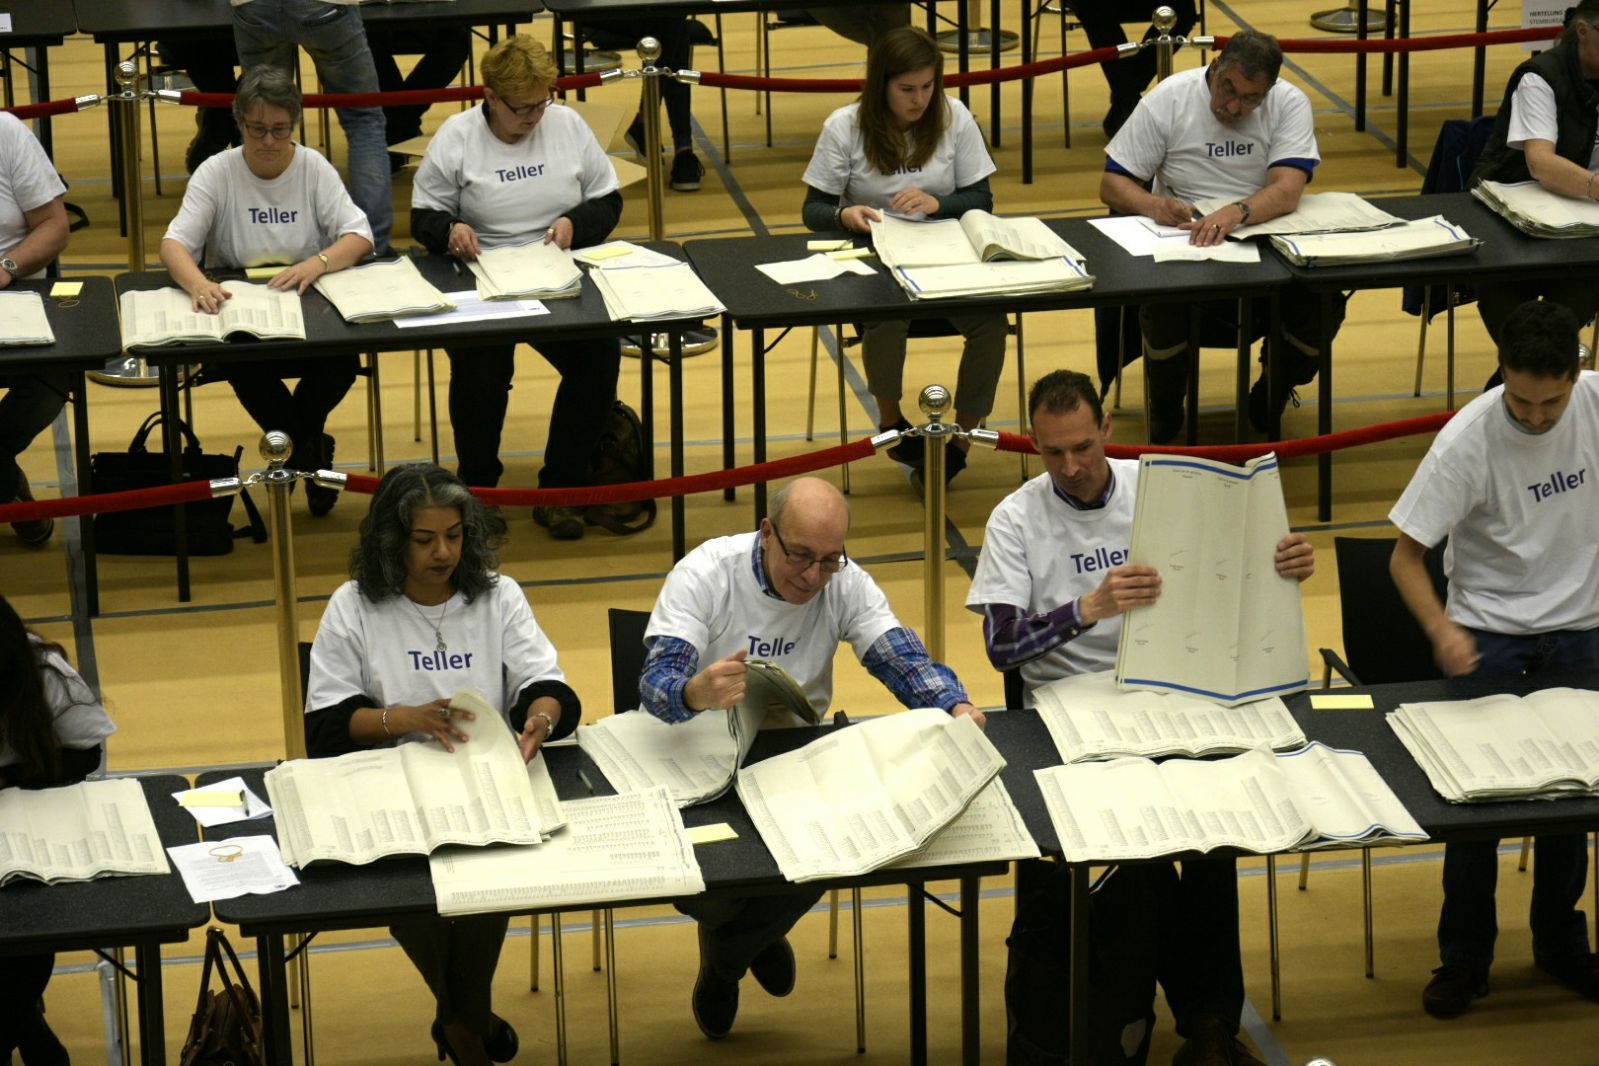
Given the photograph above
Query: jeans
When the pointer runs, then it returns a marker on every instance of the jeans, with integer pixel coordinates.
(480, 393)
(30, 404)
(302, 414)
(1467, 925)
(267, 31)
(737, 930)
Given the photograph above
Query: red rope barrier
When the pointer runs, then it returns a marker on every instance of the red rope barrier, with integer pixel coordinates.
(45, 109)
(106, 502)
(714, 79)
(1438, 43)
(191, 98)
(1285, 449)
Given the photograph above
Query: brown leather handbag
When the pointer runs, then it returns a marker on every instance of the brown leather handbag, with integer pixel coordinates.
(226, 1028)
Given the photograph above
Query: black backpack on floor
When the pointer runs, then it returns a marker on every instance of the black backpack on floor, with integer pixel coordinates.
(621, 456)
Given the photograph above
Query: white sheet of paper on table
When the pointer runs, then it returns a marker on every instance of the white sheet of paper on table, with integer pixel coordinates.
(469, 308)
(1226, 252)
(254, 806)
(237, 866)
(818, 267)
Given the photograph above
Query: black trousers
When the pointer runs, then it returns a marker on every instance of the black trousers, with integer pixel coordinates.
(22, 982)
(623, 34)
(443, 52)
(480, 393)
(1102, 22)
(301, 413)
(31, 402)
(738, 929)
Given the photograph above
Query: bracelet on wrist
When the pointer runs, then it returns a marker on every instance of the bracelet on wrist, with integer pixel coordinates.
(549, 723)
(838, 218)
(384, 721)
(1588, 194)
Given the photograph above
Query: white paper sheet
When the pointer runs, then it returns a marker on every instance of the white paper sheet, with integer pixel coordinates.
(470, 308)
(254, 806)
(818, 267)
(237, 866)
(1175, 251)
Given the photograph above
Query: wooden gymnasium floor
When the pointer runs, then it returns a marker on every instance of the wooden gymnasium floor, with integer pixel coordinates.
(194, 685)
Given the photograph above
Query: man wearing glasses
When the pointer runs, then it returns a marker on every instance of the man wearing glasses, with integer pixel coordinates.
(1231, 132)
(787, 593)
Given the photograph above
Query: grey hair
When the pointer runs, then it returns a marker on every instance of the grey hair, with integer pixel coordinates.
(1586, 11)
(271, 86)
(1252, 54)
(377, 564)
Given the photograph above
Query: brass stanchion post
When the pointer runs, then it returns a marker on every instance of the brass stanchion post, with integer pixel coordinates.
(129, 369)
(275, 449)
(1164, 19)
(649, 50)
(935, 402)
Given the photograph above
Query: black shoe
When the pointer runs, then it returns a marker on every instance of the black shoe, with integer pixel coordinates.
(1168, 389)
(34, 532)
(1451, 990)
(774, 968)
(715, 1000)
(564, 523)
(635, 136)
(907, 450)
(1261, 412)
(1213, 1044)
(318, 499)
(37, 1042)
(1580, 973)
(686, 171)
(1120, 111)
(397, 161)
(446, 1051)
(954, 463)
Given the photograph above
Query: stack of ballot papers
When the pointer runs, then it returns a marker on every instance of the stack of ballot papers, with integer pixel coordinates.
(23, 321)
(536, 271)
(1544, 745)
(868, 795)
(415, 797)
(1422, 238)
(620, 253)
(1318, 212)
(613, 848)
(695, 760)
(1089, 717)
(382, 291)
(167, 316)
(990, 829)
(78, 833)
(1538, 212)
(957, 257)
(1317, 797)
(648, 293)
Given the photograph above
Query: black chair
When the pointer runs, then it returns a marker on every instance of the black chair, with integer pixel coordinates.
(627, 656)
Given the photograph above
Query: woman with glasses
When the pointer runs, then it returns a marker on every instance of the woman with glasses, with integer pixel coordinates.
(521, 168)
(424, 616)
(907, 149)
(271, 202)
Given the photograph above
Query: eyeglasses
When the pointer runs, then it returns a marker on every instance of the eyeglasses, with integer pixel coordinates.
(1228, 93)
(526, 109)
(261, 133)
(830, 564)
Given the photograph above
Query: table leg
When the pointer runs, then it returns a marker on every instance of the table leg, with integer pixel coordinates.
(971, 989)
(675, 373)
(916, 910)
(274, 978)
(1241, 385)
(1275, 952)
(994, 42)
(1026, 29)
(152, 1022)
(1191, 401)
(1077, 983)
(1479, 60)
(80, 434)
(963, 29)
(174, 443)
(1402, 140)
(758, 389)
(1324, 400)
(1360, 67)
(729, 451)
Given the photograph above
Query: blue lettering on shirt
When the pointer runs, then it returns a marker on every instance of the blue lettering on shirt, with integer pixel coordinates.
(766, 649)
(440, 660)
(908, 170)
(518, 173)
(1228, 149)
(1557, 483)
(1097, 560)
(272, 216)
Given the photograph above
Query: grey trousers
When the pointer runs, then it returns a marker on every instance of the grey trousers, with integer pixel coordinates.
(982, 359)
(734, 931)
(457, 957)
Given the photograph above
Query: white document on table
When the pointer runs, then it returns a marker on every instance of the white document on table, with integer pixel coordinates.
(1172, 251)
(990, 829)
(23, 320)
(227, 869)
(629, 846)
(1090, 717)
(381, 291)
(78, 832)
(818, 267)
(862, 797)
(644, 294)
(1137, 235)
(1318, 212)
(620, 253)
(253, 807)
(469, 307)
(537, 270)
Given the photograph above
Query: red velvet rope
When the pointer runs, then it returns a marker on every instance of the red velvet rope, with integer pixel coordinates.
(1285, 449)
(1413, 44)
(45, 109)
(106, 502)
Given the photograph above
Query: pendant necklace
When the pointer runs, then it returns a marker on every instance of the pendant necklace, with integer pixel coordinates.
(437, 627)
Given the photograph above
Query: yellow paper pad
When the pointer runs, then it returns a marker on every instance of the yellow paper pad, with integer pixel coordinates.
(217, 797)
(262, 273)
(711, 834)
(850, 253)
(67, 288)
(607, 253)
(828, 246)
(1341, 703)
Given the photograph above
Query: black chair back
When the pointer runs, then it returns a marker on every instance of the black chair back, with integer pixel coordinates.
(627, 656)
(1382, 641)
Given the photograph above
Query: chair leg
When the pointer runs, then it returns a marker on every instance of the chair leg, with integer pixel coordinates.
(433, 409)
(766, 72)
(1065, 85)
(416, 396)
(832, 924)
(533, 954)
(610, 987)
(1304, 871)
(374, 415)
(560, 987)
(1121, 355)
(843, 422)
(1021, 385)
(860, 972)
(1421, 335)
(594, 928)
(810, 408)
(721, 65)
(1526, 848)
(1276, 946)
(1365, 889)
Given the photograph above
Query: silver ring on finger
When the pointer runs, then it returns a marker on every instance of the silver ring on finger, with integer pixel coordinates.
(444, 713)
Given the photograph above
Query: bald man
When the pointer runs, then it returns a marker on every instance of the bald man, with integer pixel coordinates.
(787, 593)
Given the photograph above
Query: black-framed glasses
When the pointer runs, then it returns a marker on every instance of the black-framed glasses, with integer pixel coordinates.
(257, 131)
(830, 564)
(526, 109)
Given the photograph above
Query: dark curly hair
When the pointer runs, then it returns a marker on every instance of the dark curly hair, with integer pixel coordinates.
(377, 564)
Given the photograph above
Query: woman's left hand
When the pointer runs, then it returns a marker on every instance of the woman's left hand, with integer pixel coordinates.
(559, 233)
(299, 276)
(536, 729)
(913, 201)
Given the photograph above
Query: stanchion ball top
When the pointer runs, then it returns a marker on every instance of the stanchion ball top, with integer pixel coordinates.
(934, 402)
(1164, 18)
(649, 49)
(275, 447)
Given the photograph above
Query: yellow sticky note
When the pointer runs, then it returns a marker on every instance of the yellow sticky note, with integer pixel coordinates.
(607, 252)
(850, 253)
(828, 246)
(67, 288)
(1349, 702)
(711, 834)
(262, 273)
(216, 797)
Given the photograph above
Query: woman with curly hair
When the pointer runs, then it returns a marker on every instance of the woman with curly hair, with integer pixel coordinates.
(423, 616)
(51, 730)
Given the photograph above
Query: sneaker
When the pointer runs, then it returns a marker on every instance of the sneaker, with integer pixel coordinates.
(1451, 990)
(907, 451)
(33, 532)
(1213, 1045)
(687, 170)
(1580, 973)
(564, 523)
(774, 967)
(715, 1000)
(319, 499)
(1261, 412)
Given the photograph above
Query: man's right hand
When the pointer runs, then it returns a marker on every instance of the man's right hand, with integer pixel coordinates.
(1170, 211)
(1124, 588)
(1455, 650)
(721, 684)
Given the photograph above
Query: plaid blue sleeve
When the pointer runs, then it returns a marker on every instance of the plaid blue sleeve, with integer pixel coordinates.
(668, 666)
(900, 661)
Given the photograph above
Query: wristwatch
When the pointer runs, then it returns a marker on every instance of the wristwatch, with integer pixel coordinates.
(9, 265)
(1242, 206)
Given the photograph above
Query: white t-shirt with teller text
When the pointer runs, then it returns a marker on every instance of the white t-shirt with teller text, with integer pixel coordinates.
(28, 180)
(839, 167)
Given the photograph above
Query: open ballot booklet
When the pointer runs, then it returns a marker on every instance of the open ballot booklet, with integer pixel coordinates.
(957, 257)
(413, 798)
(1544, 745)
(1341, 229)
(639, 291)
(167, 316)
(536, 271)
(23, 321)
(378, 292)
(78, 832)
(1537, 212)
(862, 797)
(1226, 627)
(1089, 717)
(631, 846)
(695, 760)
(1317, 797)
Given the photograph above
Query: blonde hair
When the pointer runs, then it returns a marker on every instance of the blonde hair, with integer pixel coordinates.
(519, 66)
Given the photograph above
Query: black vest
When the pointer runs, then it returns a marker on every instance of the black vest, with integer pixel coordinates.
(1577, 105)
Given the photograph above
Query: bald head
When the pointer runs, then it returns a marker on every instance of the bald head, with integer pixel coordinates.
(812, 503)
(808, 522)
